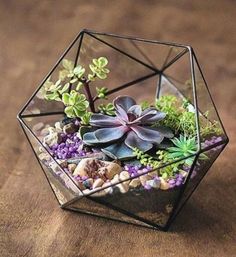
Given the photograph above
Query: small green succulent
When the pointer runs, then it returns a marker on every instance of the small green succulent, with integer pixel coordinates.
(98, 68)
(101, 92)
(108, 109)
(76, 104)
(183, 147)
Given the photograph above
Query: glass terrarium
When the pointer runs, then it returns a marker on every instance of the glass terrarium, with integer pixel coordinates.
(124, 128)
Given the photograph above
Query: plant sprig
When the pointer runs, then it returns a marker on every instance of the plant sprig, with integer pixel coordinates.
(180, 117)
(77, 103)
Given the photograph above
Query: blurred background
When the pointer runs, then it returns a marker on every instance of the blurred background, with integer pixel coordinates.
(33, 34)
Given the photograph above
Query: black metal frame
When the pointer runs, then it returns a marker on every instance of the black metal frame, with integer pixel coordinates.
(154, 72)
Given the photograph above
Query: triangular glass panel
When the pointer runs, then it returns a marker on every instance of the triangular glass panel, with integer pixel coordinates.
(154, 54)
(208, 116)
(37, 103)
(90, 205)
(63, 187)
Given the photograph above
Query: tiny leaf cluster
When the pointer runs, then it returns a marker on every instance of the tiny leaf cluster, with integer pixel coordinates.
(71, 80)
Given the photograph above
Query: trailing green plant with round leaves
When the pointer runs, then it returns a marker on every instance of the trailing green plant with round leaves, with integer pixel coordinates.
(76, 104)
(156, 161)
(98, 68)
(146, 159)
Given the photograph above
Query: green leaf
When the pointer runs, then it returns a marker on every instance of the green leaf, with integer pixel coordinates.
(65, 88)
(68, 65)
(101, 75)
(73, 80)
(65, 98)
(79, 71)
(95, 62)
(102, 61)
(85, 119)
(92, 68)
(69, 112)
(79, 86)
(63, 74)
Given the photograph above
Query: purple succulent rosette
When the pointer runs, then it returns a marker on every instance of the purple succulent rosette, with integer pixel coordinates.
(130, 128)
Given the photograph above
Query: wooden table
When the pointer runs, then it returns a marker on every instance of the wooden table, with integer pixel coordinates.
(33, 34)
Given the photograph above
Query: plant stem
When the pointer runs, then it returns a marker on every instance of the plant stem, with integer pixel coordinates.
(89, 96)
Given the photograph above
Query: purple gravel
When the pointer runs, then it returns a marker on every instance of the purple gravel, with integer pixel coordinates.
(71, 146)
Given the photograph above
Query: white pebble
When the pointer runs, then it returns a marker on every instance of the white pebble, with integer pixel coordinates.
(124, 187)
(98, 183)
(124, 175)
(134, 182)
(164, 185)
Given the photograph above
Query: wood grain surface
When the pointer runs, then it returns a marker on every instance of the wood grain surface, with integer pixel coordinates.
(32, 36)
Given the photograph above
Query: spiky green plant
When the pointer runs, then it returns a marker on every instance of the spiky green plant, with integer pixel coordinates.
(184, 147)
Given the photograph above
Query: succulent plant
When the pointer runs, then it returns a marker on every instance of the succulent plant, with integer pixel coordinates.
(108, 109)
(129, 129)
(76, 104)
(98, 68)
(101, 92)
(184, 147)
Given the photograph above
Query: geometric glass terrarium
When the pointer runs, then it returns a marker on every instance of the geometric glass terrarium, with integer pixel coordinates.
(124, 128)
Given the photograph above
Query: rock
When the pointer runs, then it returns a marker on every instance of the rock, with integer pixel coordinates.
(98, 183)
(62, 163)
(97, 155)
(154, 183)
(69, 128)
(58, 127)
(80, 185)
(112, 169)
(52, 138)
(115, 179)
(44, 157)
(88, 183)
(124, 187)
(102, 173)
(183, 173)
(164, 185)
(135, 182)
(108, 190)
(124, 175)
(144, 178)
(71, 167)
(86, 191)
(92, 167)
(99, 193)
(81, 169)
